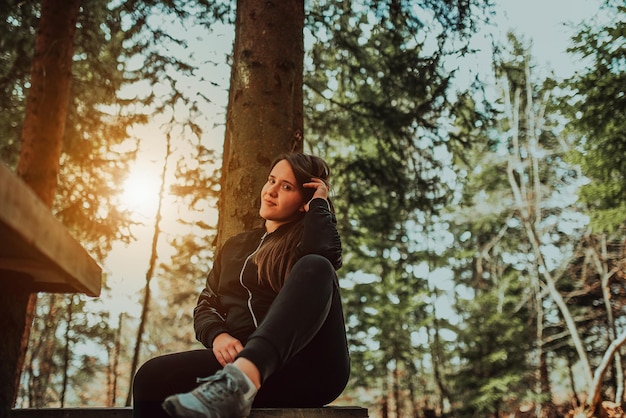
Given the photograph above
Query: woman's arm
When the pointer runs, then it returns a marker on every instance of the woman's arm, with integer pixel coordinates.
(209, 316)
(320, 234)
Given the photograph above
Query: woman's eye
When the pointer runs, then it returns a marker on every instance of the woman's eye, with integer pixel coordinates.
(286, 186)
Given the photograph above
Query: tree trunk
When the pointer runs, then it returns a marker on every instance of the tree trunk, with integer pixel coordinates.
(66, 349)
(438, 360)
(42, 354)
(13, 321)
(397, 397)
(412, 395)
(48, 97)
(594, 398)
(602, 267)
(384, 408)
(527, 204)
(543, 375)
(114, 364)
(264, 116)
(572, 381)
(42, 137)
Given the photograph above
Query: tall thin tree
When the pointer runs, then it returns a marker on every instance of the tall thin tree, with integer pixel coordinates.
(150, 273)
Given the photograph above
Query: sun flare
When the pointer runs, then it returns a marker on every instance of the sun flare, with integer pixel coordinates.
(141, 193)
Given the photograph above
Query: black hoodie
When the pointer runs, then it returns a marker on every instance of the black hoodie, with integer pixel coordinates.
(233, 300)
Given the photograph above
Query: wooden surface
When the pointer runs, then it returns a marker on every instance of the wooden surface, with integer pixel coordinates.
(34, 242)
(327, 412)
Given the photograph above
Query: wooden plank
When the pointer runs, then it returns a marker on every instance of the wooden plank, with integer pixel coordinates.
(326, 412)
(72, 413)
(34, 242)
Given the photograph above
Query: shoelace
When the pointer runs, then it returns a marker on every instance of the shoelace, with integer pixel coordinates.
(211, 387)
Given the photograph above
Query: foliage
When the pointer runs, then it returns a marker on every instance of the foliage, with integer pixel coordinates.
(493, 346)
(596, 124)
(18, 22)
(376, 98)
(62, 356)
(595, 107)
(528, 243)
(494, 294)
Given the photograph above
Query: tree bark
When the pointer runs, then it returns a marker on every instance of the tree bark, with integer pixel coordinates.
(66, 349)
(112, 397)
(397, 396)
(594, 398)
(605, 276)
(265, 115)
(48, 97)
(542, 372)
(13, 321)
(42, 138)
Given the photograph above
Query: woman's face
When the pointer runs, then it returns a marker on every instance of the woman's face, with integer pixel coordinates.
(281, 197)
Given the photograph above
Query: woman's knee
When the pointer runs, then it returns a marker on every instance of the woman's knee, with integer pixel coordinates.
(313, 265)
(175, 372)
(147, 374)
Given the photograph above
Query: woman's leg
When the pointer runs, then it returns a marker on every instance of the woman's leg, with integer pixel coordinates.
(300, 347)
(166, 375)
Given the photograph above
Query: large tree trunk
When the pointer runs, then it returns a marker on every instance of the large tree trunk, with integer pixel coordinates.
(42, 139)
(264, 116)
(48, 97)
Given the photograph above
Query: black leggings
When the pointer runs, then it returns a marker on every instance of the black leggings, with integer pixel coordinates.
(300, 348)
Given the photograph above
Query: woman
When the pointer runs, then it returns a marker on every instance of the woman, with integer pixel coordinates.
(270, 314)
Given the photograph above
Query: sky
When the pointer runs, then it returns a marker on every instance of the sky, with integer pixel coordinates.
(545, 23)
(541, 22)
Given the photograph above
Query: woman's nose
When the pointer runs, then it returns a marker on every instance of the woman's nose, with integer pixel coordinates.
(273, 190)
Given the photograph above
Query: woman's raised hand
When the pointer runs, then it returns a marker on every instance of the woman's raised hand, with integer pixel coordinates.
(321, 190)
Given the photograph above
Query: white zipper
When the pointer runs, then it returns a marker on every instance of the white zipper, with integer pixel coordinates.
(245, 263)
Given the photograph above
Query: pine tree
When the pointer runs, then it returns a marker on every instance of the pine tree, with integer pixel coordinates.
(375, 98)
(597, 123)
(596, 117)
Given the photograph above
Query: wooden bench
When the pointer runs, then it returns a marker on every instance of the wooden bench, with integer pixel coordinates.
(326, 412)
(35, 243)
(37, 254)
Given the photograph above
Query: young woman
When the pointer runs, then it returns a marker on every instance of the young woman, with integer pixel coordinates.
(270, 314)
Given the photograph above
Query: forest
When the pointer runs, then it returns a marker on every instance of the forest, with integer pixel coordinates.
(482, 214)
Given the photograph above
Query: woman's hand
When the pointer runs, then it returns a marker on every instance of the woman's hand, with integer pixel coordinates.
(321, 190)
(225, 348)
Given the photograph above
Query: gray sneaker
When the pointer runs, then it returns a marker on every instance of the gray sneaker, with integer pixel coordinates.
(219, 396)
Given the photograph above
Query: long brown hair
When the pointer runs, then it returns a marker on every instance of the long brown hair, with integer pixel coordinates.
(276, 257)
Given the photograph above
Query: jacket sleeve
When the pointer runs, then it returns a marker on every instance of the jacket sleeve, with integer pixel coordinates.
(209, 317)
(320, 234)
